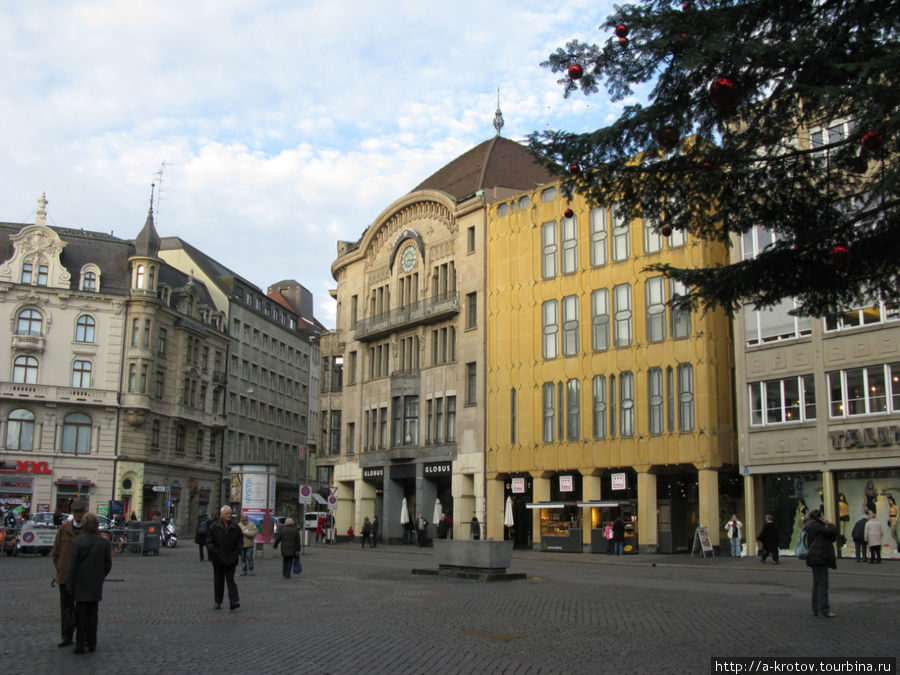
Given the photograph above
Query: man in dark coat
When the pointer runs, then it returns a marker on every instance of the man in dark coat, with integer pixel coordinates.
(202, 532)
(374, 531)
(858, 533)
(89, 563)
(288, 538)
(443, 527)
(768, 538)
(820, 537)
(62, 549)
(421, 530)
(223, 543)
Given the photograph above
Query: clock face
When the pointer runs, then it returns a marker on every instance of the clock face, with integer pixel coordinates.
(408, 259)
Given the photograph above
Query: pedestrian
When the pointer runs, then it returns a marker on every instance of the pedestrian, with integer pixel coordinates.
(443, 527)
(89, 563)
(62, 549)
(820, 537)
(134, 516)
(407, 532)
(858, 534)
(874, 536)
(893, 518)
(223, 543)
(320, 528)
(734, 529)
(619, 535)
(608, 535)
(288, 538)
(202, 532)
(367, 532)
(248, 530)
(768, 539)
(421, 530)
(374, 531)
(475, 528)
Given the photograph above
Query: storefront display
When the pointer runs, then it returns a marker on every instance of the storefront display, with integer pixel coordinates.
(560, 527)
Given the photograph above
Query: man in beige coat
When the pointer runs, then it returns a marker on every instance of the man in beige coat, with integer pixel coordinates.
(62, 547)
(874, 536)
(248, 529)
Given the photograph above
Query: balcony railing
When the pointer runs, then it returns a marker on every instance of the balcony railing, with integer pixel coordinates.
(28, 341)
(433, 309)
(42, 392)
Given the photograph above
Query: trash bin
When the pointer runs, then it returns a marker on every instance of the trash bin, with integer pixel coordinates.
(134, 536)
(152, 537)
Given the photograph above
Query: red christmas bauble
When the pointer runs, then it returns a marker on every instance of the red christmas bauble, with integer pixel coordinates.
(873, 141)
(685, 6)
(666, 231)
(575, 72)
(622, 30)
(568, 213)
(708, 166)
(575, 169)
(840, 255)
(666, 138)
(623, 42)
(723, 93)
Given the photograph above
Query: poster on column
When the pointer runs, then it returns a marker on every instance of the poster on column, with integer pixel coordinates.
(257, 517)
(255, 498)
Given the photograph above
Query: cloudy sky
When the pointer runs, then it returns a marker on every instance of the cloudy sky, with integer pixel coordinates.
(281, 126)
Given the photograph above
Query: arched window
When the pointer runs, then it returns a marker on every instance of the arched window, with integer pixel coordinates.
(25, 370)
(139, 277)
(20, 430)
(77, 434)
(89, 281)
(84, 328)
(81, 374)
(151, 278)
(30, 322)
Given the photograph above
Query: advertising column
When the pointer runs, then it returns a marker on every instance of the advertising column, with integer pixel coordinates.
(257, 497)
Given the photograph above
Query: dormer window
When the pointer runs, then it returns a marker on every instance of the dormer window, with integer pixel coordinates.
(89, 282)
(43, 273)
(27, 270)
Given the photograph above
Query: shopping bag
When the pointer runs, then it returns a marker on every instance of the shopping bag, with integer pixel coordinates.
(298, 566)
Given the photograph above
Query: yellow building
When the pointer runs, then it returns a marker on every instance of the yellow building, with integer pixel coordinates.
(602, 401)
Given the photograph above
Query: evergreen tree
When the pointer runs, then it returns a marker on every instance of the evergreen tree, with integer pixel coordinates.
(781, 115)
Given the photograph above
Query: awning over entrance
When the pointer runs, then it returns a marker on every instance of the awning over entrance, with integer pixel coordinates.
(319, 498)
(546, 505)
(608, 504)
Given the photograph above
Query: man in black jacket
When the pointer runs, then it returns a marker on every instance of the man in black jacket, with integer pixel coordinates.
(89, 563)
(820, 537)
(224, 546)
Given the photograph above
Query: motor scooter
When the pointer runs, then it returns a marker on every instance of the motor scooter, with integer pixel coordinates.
(169, 535)
(11, 539)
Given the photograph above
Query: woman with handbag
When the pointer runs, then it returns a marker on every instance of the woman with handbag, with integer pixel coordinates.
(288, 538)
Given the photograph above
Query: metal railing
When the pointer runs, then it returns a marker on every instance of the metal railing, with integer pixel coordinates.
(429, 310)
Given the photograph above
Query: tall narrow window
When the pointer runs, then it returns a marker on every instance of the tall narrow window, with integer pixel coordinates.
(147, 333)
(656, 309)
(550, 319)
(410, 420)
(27, 272)
(598, 387)
(573, 410)
(25, 370)
(570, 325)
(685, 397)
(43, 273)
(621, 244)
(548, 250)
(81, 374)
(84, 328)
(598, 236)
(569, 227)
(626, 403)
(154, 435)
(76, 437)
(139, 277)
(438, 420)
(89, 281)
(135, 331)
(623, 324)
(600, 320)
(513, 413)
(670, 399)
(681, 318)
(451, 419)
(652, 237)
(612, 405)
(20, 430)
(471, 310)
(470, 384)
(655, 400)
(549, 426)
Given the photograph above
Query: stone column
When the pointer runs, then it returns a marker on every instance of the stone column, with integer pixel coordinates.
(540, 490)
(496, 508)
(648, 535)
(753, 519)
(708, 493)
(829, 497)
(364, 503)
(591, 487)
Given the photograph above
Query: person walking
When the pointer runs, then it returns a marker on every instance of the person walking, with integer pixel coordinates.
(619, 535)
(858, 534)
(734, 529)
(374, 531)
(223, 543)
(288, 538)
(768, 539)
(443, 527)
(475, 528)
(421, 530)
(366, 532)
(248, 530)
(820, 537)
(874, 537)
(893, 518)
(201, 533)
(89, 563)
(62, 550)
(320, 528)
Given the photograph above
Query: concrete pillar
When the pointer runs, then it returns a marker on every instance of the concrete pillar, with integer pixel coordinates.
(591, 487)
(708, 494)
(829, 497)
(364, 503)
(648, 535)
(753, 519)
(496, 505)
(540, 489)
(463, 504)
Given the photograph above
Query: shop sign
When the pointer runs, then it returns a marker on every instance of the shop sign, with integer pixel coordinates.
(518, 486)
(25, 467)
(566, 484)
(867, 437)
(160, 488)
(373, 473)
(438, 469)
(619, 481)
(12, 484)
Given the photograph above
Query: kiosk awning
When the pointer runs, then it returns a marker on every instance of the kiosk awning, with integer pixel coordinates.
(608, 504)
(545, 505)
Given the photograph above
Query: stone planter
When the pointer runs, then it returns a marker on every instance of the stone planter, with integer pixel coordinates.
(473, 559)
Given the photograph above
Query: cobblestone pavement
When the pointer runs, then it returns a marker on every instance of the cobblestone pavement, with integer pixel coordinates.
(356, 610)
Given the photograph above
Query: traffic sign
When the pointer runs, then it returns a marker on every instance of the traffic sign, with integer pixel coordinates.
(332, 490)
(305, 495)
(332, 502)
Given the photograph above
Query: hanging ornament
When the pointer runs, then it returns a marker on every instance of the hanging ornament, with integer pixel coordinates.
(575, 169)
(575, 72)
(666, 231)
(685, 6)
(568, 213)
(623, 41)
(723, 93)
(872, 141)
(666, 138)
(708, 166)
(840, 255)
(621, 30)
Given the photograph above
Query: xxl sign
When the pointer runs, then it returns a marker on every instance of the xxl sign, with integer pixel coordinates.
(868, 437)
(25, 467)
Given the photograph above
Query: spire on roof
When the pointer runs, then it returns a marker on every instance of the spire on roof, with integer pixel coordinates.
(498, 116)
(41, 218)
(147, 242)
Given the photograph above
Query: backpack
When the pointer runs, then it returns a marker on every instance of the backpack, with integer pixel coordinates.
(801, 549)
(204, 527)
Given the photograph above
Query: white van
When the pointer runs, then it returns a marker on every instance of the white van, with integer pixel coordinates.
(312, 518)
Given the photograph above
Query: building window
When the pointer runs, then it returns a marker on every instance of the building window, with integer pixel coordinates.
(598, 236)
(89, 281)
(81, 374)
(42, 275)
(76, 435)
(471, 311)
(600, 320)
(139, 277)
(132, 377)
(864, 391)
(652, 236)
(334, 442)
(573, 410)
(135, 331)
(621, 244)
(84, 328)
(548, 249)
(876, 313)
(161, 342)
(612, 405)
(154, 435)
(791, 399)
(351, 433)
(25, 370)
(550, 319)
(180, 436)
(20, 430)
(27, 271)
(351, 368)
(470, 384)
(670, 399)
(757, 240)
(513, 415)
(681, 318)
(655, 400)
(685, 397)
(570, 325)
(147, 333)
(626, 403)
(410, 420)
(470, 240)
(30, 323)
(160, 384)
(656, 309)
(549, 425)
(199, 449)
(451, 419)
(622, 316)
(677, 239)
(569, 228)
(598, 389)
(774, 323)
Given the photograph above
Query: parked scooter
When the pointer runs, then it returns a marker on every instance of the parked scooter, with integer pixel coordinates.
(11, 539)
(169, 535)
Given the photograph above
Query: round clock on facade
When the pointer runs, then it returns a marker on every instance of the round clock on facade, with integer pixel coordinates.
(408, 259)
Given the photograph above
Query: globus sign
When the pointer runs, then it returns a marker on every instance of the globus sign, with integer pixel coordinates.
(26, 467)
